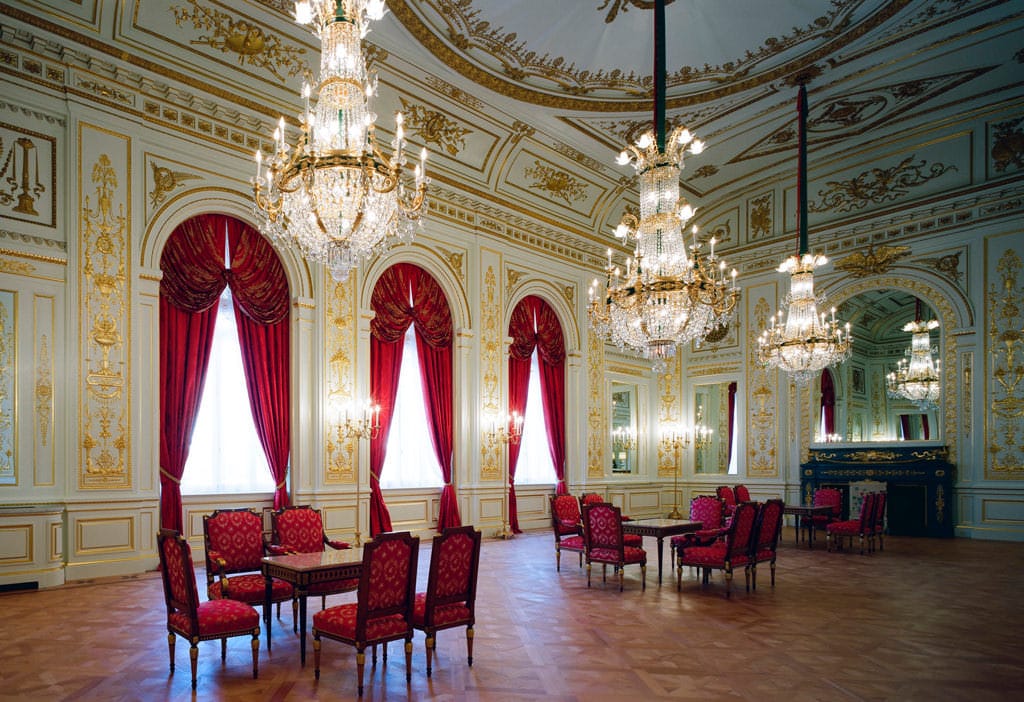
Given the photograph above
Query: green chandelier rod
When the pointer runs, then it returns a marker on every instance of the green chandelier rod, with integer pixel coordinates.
(659, 74)
(801, 176)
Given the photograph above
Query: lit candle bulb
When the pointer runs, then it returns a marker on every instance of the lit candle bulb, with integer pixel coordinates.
(259, 163)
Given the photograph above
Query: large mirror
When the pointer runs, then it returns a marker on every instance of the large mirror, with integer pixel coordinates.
(623, 430)
(854, 403)
(713, 436)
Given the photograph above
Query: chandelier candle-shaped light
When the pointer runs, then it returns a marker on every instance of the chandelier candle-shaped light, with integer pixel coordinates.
(802, 342)
(916, 377)
(670, 292)
(701, 432)
(334, 195)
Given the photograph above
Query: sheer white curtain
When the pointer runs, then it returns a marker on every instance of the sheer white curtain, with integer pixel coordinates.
(225, 455)
(410, 461)
(534, 466)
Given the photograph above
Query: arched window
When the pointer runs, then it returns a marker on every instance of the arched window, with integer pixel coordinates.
(202, 257)
(407, 296)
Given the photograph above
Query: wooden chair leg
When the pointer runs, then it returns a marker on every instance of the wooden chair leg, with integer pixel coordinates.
(558, 559)
(408, 660)
(223, 649)
(170, 648)
(255, 654)
(469, 645)
(588, 573)
(431, 643)
(728, 582)
(643, 578)
(193, 657)
(773, 573)
(316, 654)
(360, 667)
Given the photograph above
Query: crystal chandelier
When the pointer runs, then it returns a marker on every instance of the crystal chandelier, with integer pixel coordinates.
(670, 293)
(802, 342)
(334, 195)
(916, 377)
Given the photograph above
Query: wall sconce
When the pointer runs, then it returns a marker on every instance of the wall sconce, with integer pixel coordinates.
(623, 439)
(502, 428)
(701, 432)
(359, 422)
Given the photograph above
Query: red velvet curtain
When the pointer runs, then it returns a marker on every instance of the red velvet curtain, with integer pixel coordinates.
(924, 426)
(828, 401)
(732, 417)
(534, 325)
(905, 426)
(194, 277)
(406, 294)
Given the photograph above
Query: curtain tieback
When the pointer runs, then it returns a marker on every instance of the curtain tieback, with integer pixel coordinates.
(280, 485)
(176, 481)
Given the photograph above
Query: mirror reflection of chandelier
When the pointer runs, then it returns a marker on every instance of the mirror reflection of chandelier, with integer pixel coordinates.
(702, 433)
(916, 377)
(803, 342)
(334, 195)
(670, 293)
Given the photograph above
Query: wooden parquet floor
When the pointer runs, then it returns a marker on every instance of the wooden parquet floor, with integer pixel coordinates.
(923, 620)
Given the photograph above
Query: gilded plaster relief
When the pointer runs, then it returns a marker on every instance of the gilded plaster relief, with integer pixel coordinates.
(492, 355)
(340, 452)
(44, 443)
(670, 411)
(760, 222)
(877, 185)
(596, 418)
(761, 402)
(433, 127)
(1007, 146)
(456, 260)
(874, 261)
(105, 321)
(554, 182)
(1005, 374)
(8, 265)
(165, 181)
(947, 265)
(28, 176)
(249, 43)
(8, 373)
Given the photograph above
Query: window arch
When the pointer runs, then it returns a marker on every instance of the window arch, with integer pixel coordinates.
(202, 256)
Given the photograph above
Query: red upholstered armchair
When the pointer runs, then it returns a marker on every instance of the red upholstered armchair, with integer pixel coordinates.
(741, 493)
(831, 497)
(728, 496)
(863, 527)
(198, 621)
(300, 529)
(450, 599)
(727, 554)
(710, 512)
(566, 522)
(602, 535)
(592, 498)
(766, 537)
(234, 560)
(383, 610)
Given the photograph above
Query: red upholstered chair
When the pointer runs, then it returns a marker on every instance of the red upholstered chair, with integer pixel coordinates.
(766, 539)
(602, 535)
(592, 498)
(832, 497)
(566, 522)
(728, 496)
(726, 554)
(450, 599)
(880, 519)
(383, 610)
(300, 529)
(234, 559)
(741, 493)
(710, 512)
(200, 621)
(862, 527)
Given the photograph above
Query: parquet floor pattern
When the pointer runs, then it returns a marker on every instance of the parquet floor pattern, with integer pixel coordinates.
(923, 620)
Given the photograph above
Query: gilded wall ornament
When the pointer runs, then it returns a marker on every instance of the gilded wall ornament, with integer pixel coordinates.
(25, 164)
(877, 185)
(340, 451)
(760, 222)
(845, 112)
(761, 417)
(875, 260)
(164, 181)
(1007, 145)
(491, 358)
(457, 94)
(512, 278)
(456, 261)
(44, 389)
(947, 265)
(617, 6)
(432, 127)
(108, 92)
(596, 426)
(706, 171)
(1005, 386)
(17, 267)
(249, 43)
(555, 182)
(8, 432)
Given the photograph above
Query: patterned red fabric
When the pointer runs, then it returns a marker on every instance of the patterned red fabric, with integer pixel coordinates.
(340, 622)
(863, 525)
(216, 618)
(301, 530)
(250, 589)
(726, 494)
(176, 557)
(566, 511)
(769, 524)
(604, 527)
(236, 536)
(709, 510)
(712, 556)
(444, 615)
(831, 497)
(572, 543)
(741, 493)
(634, 540)
(630, 554)
(453, 566)
(389, 573)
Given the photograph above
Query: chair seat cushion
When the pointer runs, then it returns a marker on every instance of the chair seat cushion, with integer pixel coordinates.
(217, 618)
(444, 615)
(251, 589)
(849, 527)
(710, 556)
(765, 554)
(704, 537)
(634, 540)
(340, 622)
(572, 543)
(565, 527)
(610, 555)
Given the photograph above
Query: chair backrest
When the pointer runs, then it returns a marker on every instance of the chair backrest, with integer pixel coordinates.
(726, 494)
(880, 512)
(867, 512)
(708, 510)
(769, 525)
(387, 584)
(602, 526)
(235, 535)
(590, 498)
(179, 576)
(565, 515)
(741, 493)
(832, 497)
(741, 530)
(299, 529)
(454, 563)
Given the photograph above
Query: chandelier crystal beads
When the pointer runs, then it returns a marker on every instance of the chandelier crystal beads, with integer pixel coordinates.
(334, 195)
(916, 377)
